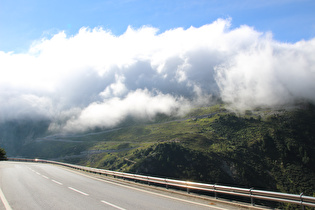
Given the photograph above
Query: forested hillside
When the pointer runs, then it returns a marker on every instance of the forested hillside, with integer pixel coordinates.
(270, 150)
(264, 149)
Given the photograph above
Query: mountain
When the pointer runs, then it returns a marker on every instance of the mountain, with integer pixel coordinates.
(269, 149)
(16, 133)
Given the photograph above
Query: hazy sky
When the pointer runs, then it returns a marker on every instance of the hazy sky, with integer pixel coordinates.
(87, 64)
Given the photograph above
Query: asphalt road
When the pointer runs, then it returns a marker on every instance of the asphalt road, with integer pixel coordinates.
(44, 186)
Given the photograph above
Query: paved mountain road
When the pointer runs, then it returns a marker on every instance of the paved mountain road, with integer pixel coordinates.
(44, 186)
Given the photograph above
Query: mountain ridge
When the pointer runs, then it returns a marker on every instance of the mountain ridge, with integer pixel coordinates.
(265, 149)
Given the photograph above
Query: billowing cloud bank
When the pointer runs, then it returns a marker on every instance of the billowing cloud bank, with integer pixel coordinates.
(97, 79)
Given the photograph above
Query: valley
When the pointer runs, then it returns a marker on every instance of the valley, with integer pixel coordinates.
(264, 149)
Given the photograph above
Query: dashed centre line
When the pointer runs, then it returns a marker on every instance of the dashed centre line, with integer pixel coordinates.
(112, 205)
(146, 191)
(45, 177)
(105, 202)
(71, 188)
(56, 182)
(78, 191)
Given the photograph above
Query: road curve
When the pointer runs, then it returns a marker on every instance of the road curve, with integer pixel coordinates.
(44, 186)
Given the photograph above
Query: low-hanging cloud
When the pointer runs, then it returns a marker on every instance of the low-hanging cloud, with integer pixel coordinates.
(269, 74)
(96, 79)
(140, 104)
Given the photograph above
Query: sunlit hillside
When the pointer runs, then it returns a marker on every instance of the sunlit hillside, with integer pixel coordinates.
(264, 149)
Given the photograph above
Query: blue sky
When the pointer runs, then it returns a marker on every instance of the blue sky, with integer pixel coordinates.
(80, 65)
(22, 22)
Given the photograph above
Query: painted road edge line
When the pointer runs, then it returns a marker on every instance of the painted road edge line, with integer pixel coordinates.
(4, 201)
(112, 205)
(78, 191)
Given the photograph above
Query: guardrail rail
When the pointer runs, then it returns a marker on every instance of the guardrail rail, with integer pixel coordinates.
(251, 193)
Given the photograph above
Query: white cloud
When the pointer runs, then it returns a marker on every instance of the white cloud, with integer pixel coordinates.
(269, 74)
(95, 78)
(140, 104)
(15, 106)
(115, 89)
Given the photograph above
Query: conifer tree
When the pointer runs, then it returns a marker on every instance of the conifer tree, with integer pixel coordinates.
(2, 154)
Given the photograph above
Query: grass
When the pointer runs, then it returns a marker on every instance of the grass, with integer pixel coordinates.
(263, 148)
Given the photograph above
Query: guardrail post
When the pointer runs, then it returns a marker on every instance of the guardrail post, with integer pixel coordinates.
(188, 190)
(302, 206)
(251, 197)
(215, 192)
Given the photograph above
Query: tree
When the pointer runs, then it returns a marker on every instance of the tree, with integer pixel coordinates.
(2, 154)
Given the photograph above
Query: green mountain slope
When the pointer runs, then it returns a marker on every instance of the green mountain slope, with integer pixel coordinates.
(270, 150)
(264, 149)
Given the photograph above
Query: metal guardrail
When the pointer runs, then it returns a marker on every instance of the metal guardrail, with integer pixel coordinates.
(252, 194)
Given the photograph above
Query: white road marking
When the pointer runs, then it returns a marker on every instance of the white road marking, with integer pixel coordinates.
(37, 173)
(166, 196)
(56, 182)
(45, 177)
(78, 191)
(110, 204)
(30, 169)
(4, 201)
